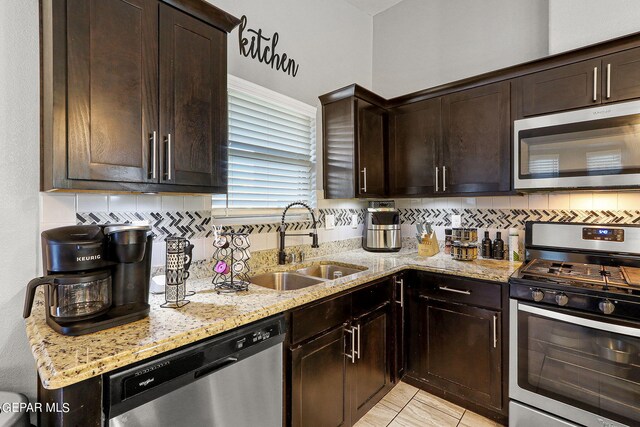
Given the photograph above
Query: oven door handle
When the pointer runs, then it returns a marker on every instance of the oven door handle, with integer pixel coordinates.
(581, 321)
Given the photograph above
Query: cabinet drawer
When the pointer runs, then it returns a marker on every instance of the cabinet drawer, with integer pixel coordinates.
(311, 320)
(465, 291)
(371, 297)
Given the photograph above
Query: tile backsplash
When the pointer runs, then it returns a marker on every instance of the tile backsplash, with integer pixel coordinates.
(190, 216)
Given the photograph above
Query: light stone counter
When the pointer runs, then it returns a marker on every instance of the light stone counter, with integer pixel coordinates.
(62, 360)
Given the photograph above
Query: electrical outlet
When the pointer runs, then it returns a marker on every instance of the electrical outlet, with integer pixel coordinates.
(354, 220)
(329, 222)
(456, 221)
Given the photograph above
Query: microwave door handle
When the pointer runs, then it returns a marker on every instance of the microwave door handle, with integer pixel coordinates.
(580, 321)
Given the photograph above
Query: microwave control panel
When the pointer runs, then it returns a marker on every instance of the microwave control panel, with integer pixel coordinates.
(606, 234)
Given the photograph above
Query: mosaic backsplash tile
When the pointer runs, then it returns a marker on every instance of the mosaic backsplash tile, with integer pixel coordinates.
(197, 224)
(516, 218)
(189, 224)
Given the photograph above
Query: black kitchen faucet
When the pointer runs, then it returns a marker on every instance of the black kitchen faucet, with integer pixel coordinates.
(282, 256)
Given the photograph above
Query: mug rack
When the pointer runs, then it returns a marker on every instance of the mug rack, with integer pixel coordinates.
(231, 256)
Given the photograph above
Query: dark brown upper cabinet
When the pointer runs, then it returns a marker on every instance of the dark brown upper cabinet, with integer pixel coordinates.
(354, 144)
(193, 101)
(610, 78)
(134, 95)
(621, 76)
(562, 88)
(415, 136)
(476, 147)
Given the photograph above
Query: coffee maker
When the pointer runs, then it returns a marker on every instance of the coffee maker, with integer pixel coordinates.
(382, 227)
(97, 277)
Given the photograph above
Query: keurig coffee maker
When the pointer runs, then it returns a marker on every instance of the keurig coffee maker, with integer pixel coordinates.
(97, 277)
(382, 227)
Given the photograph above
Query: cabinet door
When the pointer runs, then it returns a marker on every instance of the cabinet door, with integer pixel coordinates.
(462, 352)
(371, 378)
(371, 150)
(621, 76)
(112, 80)
(193, 90)
(562, 88)
(476, 152)
(415, 132)
(338, 149)
(318, 383)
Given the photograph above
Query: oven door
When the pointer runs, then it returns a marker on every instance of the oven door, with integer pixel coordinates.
(581, 369)
(594, 147)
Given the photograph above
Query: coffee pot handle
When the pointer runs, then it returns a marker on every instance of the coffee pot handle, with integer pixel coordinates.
(31, 292)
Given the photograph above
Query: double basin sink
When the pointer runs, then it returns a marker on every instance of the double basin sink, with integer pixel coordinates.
(304, 277)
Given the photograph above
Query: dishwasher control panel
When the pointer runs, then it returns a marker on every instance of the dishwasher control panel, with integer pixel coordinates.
(257, 336)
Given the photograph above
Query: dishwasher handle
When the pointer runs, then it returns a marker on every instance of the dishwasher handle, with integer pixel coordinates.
(215, 366)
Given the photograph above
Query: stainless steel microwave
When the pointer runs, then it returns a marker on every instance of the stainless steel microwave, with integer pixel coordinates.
(592, 147)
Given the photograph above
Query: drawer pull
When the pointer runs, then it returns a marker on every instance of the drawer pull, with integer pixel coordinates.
(454, 290)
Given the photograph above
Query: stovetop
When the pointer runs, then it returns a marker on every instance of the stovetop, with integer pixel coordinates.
(612, 291)
(583, 276)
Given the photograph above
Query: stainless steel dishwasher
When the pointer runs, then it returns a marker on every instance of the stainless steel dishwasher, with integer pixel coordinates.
(234, 380)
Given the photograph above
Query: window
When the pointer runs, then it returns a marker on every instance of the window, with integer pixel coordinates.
(271, 149)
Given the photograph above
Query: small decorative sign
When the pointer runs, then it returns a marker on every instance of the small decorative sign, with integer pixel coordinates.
(257, 46)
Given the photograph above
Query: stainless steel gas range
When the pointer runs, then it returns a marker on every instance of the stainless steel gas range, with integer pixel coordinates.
(575, 327)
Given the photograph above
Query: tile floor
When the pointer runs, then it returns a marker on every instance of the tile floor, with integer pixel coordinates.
(407, 406)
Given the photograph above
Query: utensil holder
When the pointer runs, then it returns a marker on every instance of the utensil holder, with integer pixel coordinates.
(429, 245)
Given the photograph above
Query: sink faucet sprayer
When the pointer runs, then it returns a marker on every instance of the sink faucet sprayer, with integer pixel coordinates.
(282, 256)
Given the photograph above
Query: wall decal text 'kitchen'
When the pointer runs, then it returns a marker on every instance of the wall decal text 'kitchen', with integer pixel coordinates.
(262, 48)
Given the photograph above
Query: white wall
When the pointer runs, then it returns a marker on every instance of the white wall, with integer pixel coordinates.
(331, 40)
(419, 44)
(20, 150)
(576, 23)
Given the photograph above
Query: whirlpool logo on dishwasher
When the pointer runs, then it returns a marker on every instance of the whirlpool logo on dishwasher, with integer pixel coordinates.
(147, 382)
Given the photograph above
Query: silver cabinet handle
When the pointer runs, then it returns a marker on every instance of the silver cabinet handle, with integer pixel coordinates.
(437, 185)
(352, 356)
(401, 283)
(364, 174)
(167, 173)
(154, 155)
(359, 349)
(595, 83)
(444, 178)
(608, 81)
(454, 290)
(495, 331)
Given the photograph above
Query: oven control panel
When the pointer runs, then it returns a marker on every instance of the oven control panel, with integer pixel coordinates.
(600, 233)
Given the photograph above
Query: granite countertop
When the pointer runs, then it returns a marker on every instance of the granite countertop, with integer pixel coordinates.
(62, 360)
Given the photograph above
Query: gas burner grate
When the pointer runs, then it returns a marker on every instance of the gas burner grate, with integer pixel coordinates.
(580, 275)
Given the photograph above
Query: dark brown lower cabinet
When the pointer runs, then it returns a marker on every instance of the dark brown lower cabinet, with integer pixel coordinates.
(454, 347)
(319, 380)
(371, 377)
(339, 370)
(461, 352)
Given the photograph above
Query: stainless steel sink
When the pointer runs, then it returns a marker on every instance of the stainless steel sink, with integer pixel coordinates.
(329, 271)
(284, 281)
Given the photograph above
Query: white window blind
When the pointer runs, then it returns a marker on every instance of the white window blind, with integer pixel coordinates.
(604, 160)
(271, 149)
(544, 163)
